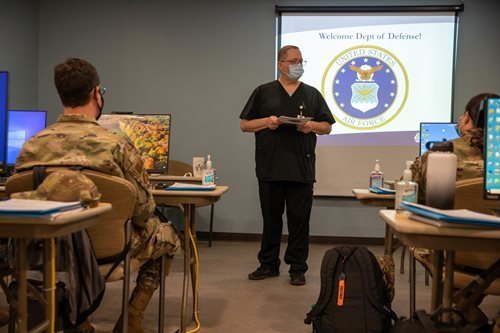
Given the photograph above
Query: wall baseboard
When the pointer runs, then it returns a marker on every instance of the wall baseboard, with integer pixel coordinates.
(333, 240)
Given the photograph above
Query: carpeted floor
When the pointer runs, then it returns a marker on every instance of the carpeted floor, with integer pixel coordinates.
(229, 302)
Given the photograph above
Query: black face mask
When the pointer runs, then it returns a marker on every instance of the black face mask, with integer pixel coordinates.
(100, 107)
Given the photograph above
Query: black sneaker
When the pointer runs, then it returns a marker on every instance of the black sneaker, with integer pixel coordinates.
(262, 273)
(297, 279)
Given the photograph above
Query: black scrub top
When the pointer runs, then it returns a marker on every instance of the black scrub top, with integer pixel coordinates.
(285, 154)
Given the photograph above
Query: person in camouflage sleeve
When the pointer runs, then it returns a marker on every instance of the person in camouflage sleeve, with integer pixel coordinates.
(77, 139)
(468, 148)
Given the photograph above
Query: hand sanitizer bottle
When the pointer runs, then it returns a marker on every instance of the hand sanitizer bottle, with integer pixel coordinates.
(376, 176)
(208, 175)
(406, 190)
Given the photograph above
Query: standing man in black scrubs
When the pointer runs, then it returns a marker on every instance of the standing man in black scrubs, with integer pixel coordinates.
(285, 159)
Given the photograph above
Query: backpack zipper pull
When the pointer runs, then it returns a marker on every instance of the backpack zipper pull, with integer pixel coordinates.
(340, 297)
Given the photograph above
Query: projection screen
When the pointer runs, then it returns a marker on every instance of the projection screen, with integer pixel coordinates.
(381, 73)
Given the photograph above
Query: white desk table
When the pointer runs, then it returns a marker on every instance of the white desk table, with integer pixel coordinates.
(423, 235)
(188, 200)
(368, 198)
(25, 228)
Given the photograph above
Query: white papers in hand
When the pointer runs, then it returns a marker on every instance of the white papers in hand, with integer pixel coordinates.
(294, 121)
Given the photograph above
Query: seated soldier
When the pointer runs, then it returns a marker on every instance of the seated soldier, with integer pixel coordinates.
(77, 139)
(468, 148)
(470, 164)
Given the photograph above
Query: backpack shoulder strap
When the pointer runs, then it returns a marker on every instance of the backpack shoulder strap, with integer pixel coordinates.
(372, 281)
(328, 265)
(39, 174)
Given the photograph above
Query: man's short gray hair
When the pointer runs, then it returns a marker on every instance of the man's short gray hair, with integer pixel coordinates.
(282, 51)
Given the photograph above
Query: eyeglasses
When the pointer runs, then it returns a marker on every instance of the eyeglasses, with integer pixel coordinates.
(102, 91)
(295, 61)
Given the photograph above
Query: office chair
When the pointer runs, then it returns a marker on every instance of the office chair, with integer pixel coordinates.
(178, 168)
(117, 222)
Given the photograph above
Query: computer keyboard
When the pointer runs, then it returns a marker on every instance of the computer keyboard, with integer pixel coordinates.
(2, 180)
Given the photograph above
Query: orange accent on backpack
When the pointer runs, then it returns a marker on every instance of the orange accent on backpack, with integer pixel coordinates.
(340, 298)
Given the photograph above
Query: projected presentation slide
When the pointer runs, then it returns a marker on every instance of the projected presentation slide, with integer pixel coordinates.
(149, 133)
(382, 74)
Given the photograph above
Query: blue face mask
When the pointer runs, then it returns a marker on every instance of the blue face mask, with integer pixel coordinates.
(295, 71)
(457, 128)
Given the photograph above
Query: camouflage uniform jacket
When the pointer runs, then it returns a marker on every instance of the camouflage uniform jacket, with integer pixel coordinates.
(80, 140)
(470, 164)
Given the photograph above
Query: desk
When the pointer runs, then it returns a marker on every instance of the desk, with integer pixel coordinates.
(25, 228)
(368, 198)
(449, 240)
(170, 179)
(372, 199)
(188, 200)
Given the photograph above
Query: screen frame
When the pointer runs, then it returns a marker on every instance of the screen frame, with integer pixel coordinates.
(327, 184)
(486, 194)
(454, 123)
(4, 107)
(149, 171)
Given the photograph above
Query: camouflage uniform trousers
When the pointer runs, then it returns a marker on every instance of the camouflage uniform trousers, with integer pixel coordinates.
(386, 263)
(151, 243)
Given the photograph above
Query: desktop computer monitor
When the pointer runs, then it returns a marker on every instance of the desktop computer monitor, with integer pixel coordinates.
(492, 149)
(3, 114)
(149, 133)
(436, 132)
(21, 126)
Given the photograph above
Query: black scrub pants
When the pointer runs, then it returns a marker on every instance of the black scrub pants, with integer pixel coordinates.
(297, 198)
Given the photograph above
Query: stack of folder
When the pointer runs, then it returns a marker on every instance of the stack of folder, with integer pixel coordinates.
(190, 187)
(462, 218)
(381, 190)
(36, 208)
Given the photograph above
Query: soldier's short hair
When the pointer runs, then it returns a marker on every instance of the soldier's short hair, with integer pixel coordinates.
(474, 105)
(75, 79)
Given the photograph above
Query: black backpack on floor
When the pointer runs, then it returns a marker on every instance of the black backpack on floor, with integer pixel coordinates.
(79, 284)
(353, 297)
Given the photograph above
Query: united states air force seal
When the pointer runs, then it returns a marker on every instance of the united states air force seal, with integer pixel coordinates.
(365, 86)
